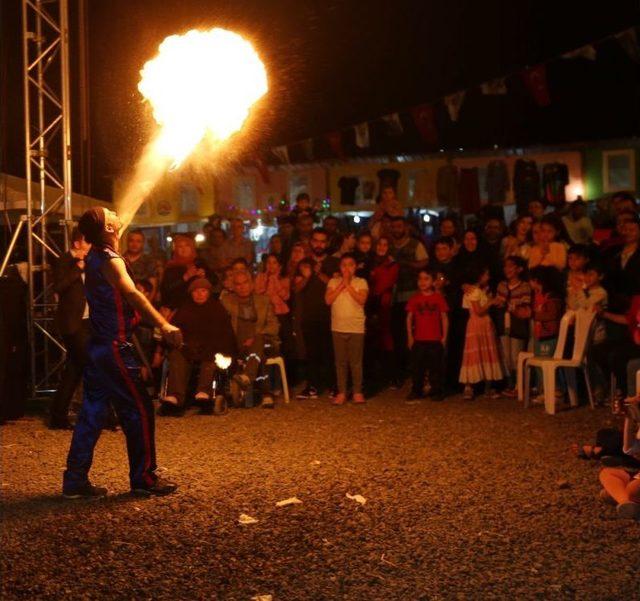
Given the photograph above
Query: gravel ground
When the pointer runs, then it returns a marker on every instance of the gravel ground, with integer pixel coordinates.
(463, 500)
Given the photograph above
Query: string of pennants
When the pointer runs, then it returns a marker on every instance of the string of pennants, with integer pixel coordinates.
(423, 116)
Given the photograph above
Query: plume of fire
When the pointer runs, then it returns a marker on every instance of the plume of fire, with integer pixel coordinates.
(201, 85)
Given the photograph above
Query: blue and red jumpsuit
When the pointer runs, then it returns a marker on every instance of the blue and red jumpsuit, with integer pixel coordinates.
(111, 377)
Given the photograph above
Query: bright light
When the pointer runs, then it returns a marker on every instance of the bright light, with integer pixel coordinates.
(222, 361)
(200, 238)
(169, 239)
(356, 219)
(201, 84)
(258, 230)
(426, 218)
(575, 191)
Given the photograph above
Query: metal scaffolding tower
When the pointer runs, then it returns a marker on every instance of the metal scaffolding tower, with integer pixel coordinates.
(47, 130)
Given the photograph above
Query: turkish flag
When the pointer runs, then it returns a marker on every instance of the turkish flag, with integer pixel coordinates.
(335, 142)
(424, 116)
(536, 81)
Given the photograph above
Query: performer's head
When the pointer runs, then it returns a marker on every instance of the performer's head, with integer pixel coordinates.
(100, 227)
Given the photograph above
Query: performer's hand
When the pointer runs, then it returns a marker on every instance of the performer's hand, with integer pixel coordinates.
(172, 335)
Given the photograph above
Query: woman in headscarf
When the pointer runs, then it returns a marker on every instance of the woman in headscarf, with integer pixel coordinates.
(183, 267)
(383, 278)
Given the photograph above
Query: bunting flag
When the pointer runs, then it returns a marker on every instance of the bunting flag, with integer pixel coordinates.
(628, 39)
(281, 153)
(362, 135)
(535, 79)
(588, 52)
(495, 87)
(262, 168)
(393, 124)
(307, 149)
(424, 117)
(453, 102)
(335, 142)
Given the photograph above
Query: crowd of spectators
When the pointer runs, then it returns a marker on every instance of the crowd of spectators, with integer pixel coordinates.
(356, 310)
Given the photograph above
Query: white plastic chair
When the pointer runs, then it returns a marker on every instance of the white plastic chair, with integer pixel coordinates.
(584, 321)
(524, 356)
(279, 361)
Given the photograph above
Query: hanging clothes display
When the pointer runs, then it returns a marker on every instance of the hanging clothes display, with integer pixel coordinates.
(389, 177)
(348, 186)
(555, 177)
(447, 186)
(497, 182)
(526, 184)
(469, 191)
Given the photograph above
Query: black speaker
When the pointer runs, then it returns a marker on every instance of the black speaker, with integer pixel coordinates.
(13, 347)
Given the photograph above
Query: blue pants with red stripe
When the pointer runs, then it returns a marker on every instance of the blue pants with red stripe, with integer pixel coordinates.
(112, 377)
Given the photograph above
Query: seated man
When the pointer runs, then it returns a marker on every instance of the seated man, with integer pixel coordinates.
(206, 328)
(256, 328)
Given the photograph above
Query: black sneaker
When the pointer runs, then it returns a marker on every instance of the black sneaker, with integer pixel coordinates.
(308, 393)
(88, 491)
(414, 396)
(267, 402)
(206, 409)
(159, 488)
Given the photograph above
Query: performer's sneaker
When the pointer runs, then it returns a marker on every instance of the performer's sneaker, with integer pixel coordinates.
(159, 488)
(87, 491)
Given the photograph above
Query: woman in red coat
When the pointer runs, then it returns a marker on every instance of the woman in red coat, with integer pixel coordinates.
(382, 281)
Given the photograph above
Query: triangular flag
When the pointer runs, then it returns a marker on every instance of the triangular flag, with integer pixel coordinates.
(535, 79)
(307, 149)
(393, 124)
(281, 153)
(495, 87)
(335, 142)
(424, 117)
(629, 42)
(453, 103)
(362, 135)
(588, 52)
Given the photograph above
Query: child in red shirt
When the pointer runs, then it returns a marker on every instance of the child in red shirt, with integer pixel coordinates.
(427, 325)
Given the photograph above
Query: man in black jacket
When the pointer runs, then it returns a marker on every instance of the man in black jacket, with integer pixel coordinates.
(72, 321)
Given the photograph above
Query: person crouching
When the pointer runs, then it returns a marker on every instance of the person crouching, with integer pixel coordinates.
(207, 331)
(256, 332)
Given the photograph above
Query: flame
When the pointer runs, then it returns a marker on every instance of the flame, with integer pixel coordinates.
(222, 361)
(201, 83)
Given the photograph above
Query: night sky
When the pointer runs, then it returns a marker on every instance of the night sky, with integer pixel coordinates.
(339, 62)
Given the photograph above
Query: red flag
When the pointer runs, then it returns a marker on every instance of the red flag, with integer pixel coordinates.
(424, 117)
(335, 141)
(536, 81)
(261, 166)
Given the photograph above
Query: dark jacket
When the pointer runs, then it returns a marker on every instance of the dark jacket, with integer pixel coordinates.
(174, 290)
(206, 329)
(68, 285)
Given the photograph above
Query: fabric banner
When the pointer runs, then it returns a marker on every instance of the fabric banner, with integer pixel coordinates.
(628, 39)
(281, 153)
(424, 117)
(335, 142)
(589, 52)
(453, 102)
(495, 87)
(393, 124)
(307, 149)
(362, 135)
(535, 79)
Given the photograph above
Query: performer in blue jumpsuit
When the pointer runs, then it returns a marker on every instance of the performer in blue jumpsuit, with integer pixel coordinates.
(112, 372)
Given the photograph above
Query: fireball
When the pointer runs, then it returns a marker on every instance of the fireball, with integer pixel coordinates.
(201, 85)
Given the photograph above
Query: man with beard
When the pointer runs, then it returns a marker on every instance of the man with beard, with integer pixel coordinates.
(112, 371)
(411, 256)
(315, 315)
